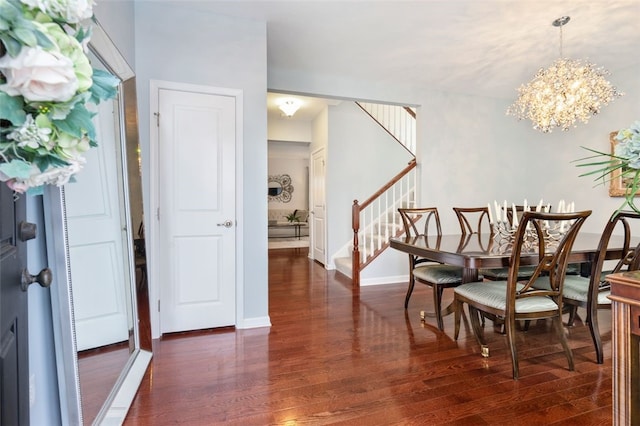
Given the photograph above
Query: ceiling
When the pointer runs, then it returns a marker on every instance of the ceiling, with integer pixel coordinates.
(476, 47)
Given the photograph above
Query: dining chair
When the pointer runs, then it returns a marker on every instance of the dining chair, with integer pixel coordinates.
(517, 300)
(475, 220)
(591, 292)
(572, 268)
(426, 221)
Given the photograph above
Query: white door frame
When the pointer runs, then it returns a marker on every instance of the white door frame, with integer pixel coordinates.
(152, 228)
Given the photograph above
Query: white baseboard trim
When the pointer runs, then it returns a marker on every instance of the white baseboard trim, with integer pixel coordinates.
(255, 322)
(384, 280)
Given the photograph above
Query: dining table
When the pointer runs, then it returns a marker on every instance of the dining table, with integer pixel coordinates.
(480, 250)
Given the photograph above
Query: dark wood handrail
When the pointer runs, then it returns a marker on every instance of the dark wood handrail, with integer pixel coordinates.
(396, 178)
(410, 111)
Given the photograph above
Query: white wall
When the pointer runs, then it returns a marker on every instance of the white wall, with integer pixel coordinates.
(216, 51)
(283, 129)
(116, 17)
(320, 131)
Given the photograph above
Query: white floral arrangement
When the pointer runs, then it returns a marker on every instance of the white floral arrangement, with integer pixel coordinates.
(626, 157)
(46, 82)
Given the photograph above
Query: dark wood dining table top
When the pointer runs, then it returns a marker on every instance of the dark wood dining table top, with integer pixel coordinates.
(475, 251)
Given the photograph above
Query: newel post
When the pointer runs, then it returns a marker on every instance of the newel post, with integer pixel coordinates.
(355, 256)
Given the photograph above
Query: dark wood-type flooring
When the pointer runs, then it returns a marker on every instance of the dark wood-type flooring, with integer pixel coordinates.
(98, 370)
(335, 356)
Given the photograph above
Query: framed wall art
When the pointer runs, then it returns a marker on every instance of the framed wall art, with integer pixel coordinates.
(618, 185)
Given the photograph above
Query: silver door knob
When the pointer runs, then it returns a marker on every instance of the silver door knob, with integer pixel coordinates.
(226, 224)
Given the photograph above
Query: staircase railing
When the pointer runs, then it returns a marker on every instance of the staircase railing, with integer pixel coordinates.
(376, 220)
(398, 121)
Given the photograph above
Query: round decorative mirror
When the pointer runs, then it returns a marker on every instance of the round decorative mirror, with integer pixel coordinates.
(280, 188)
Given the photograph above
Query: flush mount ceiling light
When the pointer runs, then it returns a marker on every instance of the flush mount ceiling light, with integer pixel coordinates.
(289, 106)
(568, 91)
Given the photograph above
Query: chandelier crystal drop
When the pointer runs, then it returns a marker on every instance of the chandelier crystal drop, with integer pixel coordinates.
(568, 91)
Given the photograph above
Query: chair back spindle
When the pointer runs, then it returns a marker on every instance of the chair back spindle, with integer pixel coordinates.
(473, 220)
(553, 259)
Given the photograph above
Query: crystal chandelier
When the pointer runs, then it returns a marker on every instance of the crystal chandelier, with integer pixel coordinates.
(568, 91)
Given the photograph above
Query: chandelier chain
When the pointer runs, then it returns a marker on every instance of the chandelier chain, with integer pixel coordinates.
(561, 41)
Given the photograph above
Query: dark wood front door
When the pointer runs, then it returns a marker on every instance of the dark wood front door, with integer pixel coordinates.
(14, 349)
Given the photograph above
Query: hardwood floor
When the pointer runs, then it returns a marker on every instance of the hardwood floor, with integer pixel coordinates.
(98, 370)
(333, 356)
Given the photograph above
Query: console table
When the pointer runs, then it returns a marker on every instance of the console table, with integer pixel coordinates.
(296, 226)
(625, 306)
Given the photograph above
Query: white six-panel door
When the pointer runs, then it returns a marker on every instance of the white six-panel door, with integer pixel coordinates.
(196, 217)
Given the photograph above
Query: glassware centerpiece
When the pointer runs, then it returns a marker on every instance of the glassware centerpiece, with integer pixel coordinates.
(504, 228)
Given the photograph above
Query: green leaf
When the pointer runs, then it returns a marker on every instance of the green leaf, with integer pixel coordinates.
(602, 173)
(4, 24)
(36, 190)
(608, 163)
(607, 166)
(105, 86)
(16, 169)
(9, 10)
(590, 158)
(82, 33)
(594, 151)
(603, 154)
(603, 167)
(631, 192)
(26, 36)
(60, 110)
(12, 45)
(46, 161)
(43, 40)
(77, 122)
(11, 109)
